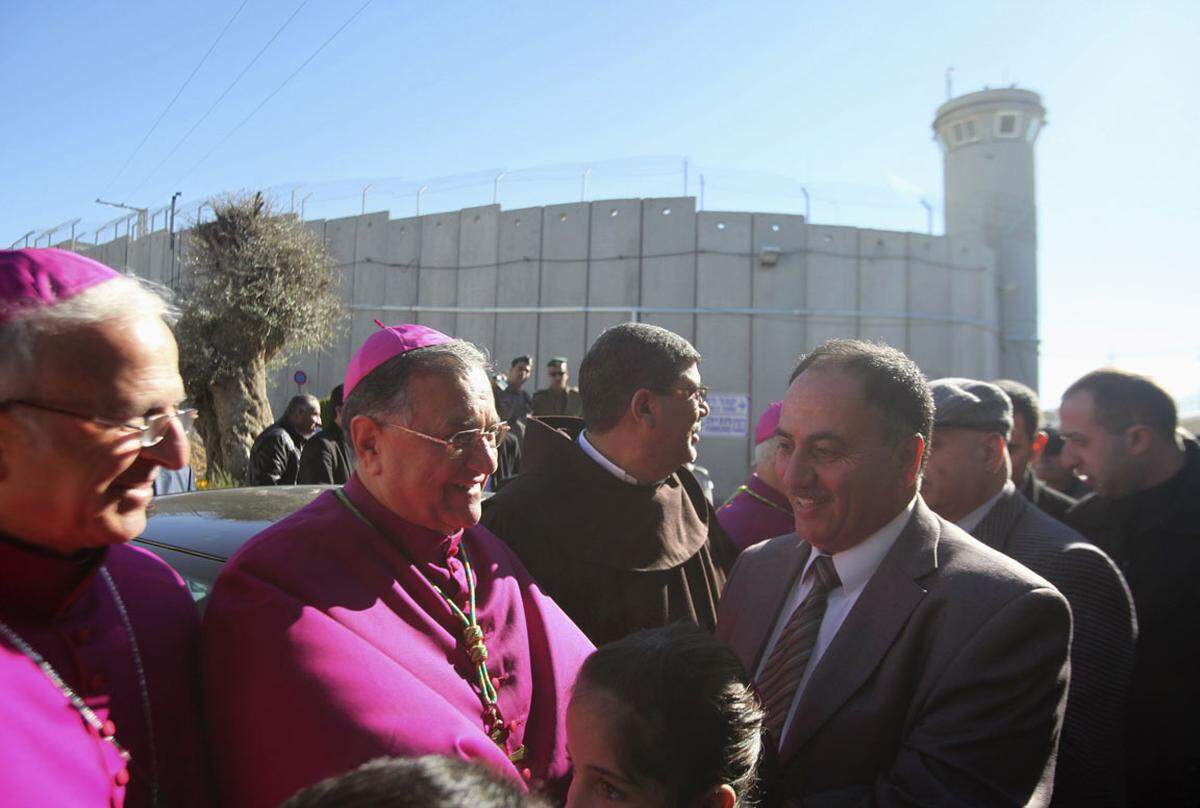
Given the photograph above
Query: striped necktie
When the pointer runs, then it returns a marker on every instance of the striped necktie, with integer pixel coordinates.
(789, 659)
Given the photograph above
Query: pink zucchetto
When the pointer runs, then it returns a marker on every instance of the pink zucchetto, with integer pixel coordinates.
(388, 341)
(768, 422)
(35, 278)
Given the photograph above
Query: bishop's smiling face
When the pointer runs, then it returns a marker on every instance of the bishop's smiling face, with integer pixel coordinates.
(843, 476)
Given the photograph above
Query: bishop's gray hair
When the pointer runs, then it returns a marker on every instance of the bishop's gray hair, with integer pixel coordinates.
(383, 393)
(21, 338)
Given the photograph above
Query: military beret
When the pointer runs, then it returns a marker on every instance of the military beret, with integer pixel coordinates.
(971, 404)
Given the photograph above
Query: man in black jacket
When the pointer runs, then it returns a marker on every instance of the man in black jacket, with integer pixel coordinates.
(275, 455)
(1025, 446)
(325, 458)
(1121, 434)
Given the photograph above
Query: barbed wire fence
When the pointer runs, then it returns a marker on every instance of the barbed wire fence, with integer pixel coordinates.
(891, 205)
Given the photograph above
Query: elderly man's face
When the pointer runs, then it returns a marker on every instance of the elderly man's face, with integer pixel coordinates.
(844, 479)
(419, 480)
(958, 478)
(306, 417)
(69, 483)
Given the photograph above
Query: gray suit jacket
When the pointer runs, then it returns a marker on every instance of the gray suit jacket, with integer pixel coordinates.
(944, 686)
(1091, 761)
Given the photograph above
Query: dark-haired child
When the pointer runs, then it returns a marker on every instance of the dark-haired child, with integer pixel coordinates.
(664, 717)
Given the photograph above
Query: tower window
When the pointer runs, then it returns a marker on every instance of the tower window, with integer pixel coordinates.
(1008, 125)
(964, 132)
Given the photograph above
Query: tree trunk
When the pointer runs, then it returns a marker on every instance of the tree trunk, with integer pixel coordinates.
(241, 411)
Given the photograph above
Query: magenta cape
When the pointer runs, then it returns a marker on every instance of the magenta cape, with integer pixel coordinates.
(324, 648)
(64, 609)
(748, 521)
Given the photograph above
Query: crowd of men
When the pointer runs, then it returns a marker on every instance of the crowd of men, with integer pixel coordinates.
(928, 618)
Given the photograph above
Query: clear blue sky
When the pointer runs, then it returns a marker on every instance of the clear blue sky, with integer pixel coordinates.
(838, 97)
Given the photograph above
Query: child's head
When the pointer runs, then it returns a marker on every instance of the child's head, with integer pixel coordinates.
(664, 717)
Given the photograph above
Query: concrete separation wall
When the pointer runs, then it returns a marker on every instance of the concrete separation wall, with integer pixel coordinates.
(752, 291)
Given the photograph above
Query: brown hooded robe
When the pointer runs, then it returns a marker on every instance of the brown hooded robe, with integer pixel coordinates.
(616, 557)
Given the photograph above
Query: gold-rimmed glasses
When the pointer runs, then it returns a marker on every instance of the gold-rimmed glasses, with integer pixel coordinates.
(148, 429)
(462, 442)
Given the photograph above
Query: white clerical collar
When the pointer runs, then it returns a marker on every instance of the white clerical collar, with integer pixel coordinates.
(856, 565)
(972, 520)
(606, 464)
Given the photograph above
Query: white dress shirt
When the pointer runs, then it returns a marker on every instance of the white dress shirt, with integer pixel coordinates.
(606, 464)
(972, 520)
(855, 567)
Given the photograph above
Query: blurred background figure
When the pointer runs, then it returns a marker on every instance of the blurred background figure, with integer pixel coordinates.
(559, 398)
(1026, 444)
(967, 481)
(665, 717)
(1120, 433)
(759, 509)
(424, 782)
(275, 455)
(326, 457)
(513, 402)
(98, 657)
(1049, 468)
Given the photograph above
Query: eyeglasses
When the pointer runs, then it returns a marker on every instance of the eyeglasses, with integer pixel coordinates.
(556, 373)
(150, 429)
(697, 394)
(460, 443)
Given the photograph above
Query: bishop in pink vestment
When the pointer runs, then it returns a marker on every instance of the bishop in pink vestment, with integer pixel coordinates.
(98, 640)
(759, 510)
(327, 642)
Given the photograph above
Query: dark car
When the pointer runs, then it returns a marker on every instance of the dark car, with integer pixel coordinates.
(198, 531)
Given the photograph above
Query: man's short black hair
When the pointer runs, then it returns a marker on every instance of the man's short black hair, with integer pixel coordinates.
(1025, 403)
(424, 782)
(526, 358)
(892, 383)
(335, 396)
(624, 359)
(1122, 399)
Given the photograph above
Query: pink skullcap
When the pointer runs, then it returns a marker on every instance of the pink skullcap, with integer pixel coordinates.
(768, 422)
(33, 278)
(388, 341)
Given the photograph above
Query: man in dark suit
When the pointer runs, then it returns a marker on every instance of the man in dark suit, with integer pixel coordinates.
(899, 660)
(967, 482)
(1120, 432)
(1026, 442)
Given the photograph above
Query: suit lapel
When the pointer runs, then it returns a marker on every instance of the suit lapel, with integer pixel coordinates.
(870, 629)
(996, 527)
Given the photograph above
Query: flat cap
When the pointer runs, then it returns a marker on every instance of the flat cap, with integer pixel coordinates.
(971, 404)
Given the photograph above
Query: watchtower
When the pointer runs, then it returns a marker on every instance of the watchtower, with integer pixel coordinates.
(987, 140)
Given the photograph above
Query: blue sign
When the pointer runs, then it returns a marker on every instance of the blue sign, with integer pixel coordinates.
(301, 377)
(728, 416)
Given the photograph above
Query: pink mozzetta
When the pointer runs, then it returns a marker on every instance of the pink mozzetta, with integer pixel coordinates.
(768, 422)
(388, 341)
(33, 278)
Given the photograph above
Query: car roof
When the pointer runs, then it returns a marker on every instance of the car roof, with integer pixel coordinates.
(216, 523)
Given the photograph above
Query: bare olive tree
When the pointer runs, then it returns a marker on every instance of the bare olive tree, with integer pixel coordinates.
(260, 287)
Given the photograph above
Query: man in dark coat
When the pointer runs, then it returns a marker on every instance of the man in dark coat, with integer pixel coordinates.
(1026, 444)
(325, 457)
(275, 455)
(1120, 432)
(967, 482)
(606, 518)
(899, 660)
